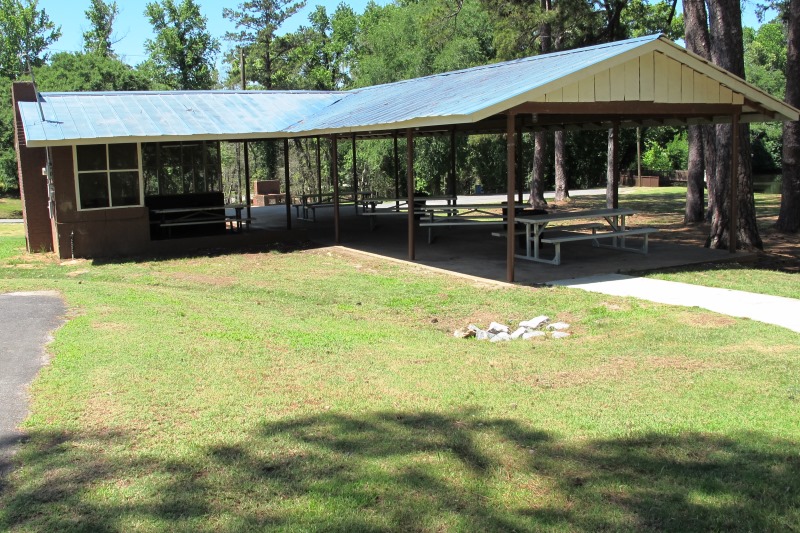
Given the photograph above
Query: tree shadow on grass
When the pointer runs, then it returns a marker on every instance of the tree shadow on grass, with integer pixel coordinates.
(409, 472)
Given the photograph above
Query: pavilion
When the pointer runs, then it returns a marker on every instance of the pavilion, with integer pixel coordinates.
(87, 161)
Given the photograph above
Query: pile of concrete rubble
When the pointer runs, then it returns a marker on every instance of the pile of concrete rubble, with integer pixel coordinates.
(536, 327)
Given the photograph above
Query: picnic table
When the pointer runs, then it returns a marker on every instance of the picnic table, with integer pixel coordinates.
(615, 225)
(400, 206)
(460, 215)
(171, 217)
(309, 203)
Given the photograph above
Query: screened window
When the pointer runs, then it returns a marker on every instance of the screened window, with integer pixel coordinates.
(181, 167)
(108, 175)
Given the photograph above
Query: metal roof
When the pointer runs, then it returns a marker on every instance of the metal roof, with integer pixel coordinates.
(464, 96)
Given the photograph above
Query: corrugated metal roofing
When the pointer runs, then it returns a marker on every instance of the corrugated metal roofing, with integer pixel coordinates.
(134, 115)
(454, 97)
(460, 93)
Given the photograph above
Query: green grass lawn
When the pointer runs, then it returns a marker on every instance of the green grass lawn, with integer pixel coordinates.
(317, 391)
(10, 207)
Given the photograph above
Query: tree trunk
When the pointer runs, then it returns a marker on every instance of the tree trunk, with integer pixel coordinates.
(789, 217)
(562, 185)
(537, 179)
(728, 52)
(540, 144)
(695, 193)
(700, 137)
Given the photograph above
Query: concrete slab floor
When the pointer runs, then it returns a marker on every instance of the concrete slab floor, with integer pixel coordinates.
(474, 251)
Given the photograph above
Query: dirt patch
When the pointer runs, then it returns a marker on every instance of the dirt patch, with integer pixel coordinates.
(204, 279)
(619, 368)
(781, 250)
(707, 320)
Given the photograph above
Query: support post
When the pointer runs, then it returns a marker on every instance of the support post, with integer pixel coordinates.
(246, 184)
(612, 172)
(410, 191)
(288, 200)
(733, 213)
(319, 169)
(396, 171)
(335, 182)
(451, 189)
(511, 154)
(518, 163)
(355, 176)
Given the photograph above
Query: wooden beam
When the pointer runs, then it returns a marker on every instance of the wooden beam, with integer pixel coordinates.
(511, 158)
(396, 170)
(623, 108)
(410, 191)
(319, 169)
(246, 184)
(451, 187)
(355, 176)
(335, 183)
(288, 201)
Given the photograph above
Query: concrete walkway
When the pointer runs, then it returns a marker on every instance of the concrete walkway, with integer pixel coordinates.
(784, 312)
(28, 321)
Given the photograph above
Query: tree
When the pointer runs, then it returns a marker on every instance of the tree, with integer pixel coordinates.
(97, 39)
(323, 60)
(25, 33)
(257, 22)
(727, 51)
(71, 72)
(789, 216)
(701, 149)
(183, 51)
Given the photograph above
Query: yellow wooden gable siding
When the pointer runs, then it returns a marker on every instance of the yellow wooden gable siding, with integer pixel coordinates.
(652, 77)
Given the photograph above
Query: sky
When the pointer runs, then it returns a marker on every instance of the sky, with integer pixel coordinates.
(132, 29)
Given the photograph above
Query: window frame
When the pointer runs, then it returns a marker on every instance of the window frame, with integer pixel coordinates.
(108, 171)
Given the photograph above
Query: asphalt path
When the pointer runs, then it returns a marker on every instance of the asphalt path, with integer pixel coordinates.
(27, 321)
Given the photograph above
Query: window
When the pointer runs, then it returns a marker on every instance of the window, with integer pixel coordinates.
(108, 175)
(181, 167)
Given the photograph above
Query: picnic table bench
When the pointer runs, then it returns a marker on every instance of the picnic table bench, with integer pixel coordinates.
(617, 233)
(200, 215)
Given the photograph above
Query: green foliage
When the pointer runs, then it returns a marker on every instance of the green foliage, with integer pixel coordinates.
(97, 39)
(327, 49)
(257, 22)
(8, 157)
(765, 57)
(182, 51)
(402, 41)
(25, 33)
(672, 155)
(68, 71)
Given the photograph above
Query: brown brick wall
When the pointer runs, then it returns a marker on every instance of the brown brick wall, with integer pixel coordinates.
(96, 233)
(32, 184)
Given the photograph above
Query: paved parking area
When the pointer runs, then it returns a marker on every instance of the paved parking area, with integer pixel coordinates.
(28, 321)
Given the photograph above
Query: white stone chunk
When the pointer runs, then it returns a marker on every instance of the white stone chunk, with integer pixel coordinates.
(535, 322)
(560, 334)
(558, 325)
(481, 335)
(518, 333)
(500, 337)
(533, 335)
(496, 327)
